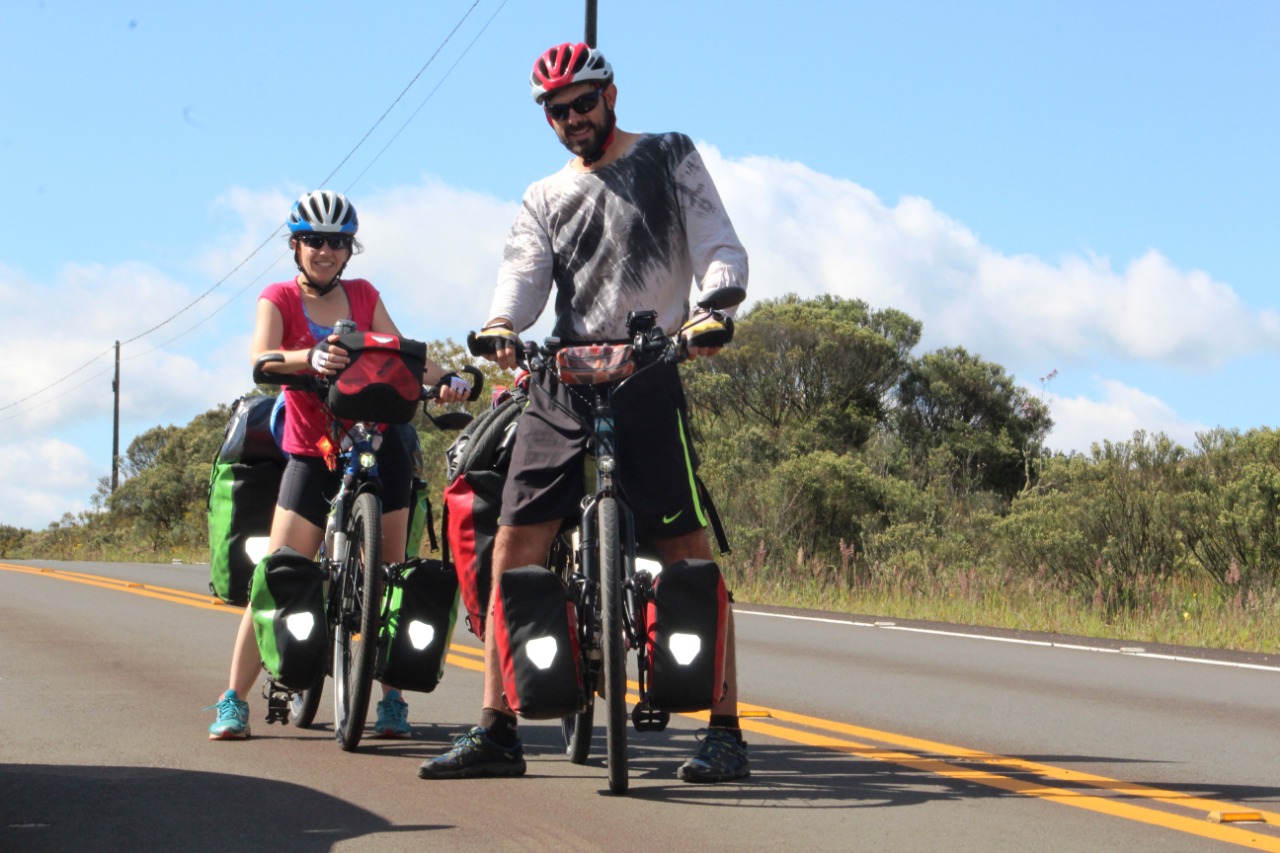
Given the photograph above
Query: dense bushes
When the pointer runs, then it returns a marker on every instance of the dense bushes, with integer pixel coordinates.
(841, 462)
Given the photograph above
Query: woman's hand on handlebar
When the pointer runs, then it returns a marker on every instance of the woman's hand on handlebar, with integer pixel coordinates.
(326, 358)
(706, 333)
(454, 388)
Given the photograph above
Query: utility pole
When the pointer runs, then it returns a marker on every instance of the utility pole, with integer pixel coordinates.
(590, 38)
(115, 425)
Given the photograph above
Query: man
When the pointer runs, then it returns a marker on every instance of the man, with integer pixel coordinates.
(629, 223)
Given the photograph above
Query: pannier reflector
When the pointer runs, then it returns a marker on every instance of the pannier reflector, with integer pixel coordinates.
(255, 548)
(685, 647)
(300, 625)
(542, 651)
(421, 634)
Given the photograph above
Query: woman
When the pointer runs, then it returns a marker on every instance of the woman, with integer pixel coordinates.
(296, 319)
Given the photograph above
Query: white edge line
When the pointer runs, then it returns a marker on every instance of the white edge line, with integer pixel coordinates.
(1127, 652)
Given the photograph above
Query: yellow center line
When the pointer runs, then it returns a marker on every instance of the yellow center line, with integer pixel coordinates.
(927, 756)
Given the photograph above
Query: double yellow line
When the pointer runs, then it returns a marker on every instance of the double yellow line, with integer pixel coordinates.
(1210, 819)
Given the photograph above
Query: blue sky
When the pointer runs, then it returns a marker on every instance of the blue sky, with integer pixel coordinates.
(1082, 186)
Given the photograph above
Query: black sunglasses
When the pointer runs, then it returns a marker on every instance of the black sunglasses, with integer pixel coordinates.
(336, 242)
(581, 105)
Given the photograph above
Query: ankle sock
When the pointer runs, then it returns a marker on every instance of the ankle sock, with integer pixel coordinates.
(501, 727)
(728, 722)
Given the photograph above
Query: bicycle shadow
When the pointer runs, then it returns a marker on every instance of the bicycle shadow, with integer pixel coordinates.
(57, 808)
(791, 776)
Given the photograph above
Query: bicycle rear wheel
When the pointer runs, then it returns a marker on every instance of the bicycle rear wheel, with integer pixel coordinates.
(304, 704)
(355, 642)
(613, 644)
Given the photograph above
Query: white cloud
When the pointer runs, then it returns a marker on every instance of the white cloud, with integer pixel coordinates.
(1081, 422)
(48, 478)
(811, 233)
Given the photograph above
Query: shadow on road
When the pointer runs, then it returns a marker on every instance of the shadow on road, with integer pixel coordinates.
(69, 808)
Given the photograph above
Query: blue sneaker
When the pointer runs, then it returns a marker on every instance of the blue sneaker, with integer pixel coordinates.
(475, 754)
(393, 717)
(233, 718)
(721, 758)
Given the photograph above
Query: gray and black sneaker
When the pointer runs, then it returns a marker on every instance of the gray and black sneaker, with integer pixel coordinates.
(720, 758)
(475, 754)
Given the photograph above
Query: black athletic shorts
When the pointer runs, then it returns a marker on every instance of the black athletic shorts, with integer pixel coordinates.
(308, 486)
(654, 451)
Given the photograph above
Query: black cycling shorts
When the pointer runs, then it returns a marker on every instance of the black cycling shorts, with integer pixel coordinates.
(308, 486)
(654, 452)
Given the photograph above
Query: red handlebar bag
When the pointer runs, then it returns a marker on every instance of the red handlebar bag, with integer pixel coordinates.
(383, 383)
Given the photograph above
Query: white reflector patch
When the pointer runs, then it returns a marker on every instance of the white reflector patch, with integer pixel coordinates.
(541, 651)
(420, 634)
(684, 647)
(255, 548)
(300, 625)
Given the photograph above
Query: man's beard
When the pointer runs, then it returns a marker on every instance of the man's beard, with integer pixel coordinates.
(591, 147)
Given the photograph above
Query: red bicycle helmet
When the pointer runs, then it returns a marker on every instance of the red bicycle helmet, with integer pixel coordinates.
(566, 64)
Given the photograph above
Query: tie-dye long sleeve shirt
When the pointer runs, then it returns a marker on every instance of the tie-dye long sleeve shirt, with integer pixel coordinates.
(634, 235)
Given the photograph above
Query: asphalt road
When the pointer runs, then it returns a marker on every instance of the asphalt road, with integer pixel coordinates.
(894, 737)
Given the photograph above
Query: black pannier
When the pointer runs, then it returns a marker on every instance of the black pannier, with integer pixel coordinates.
(536, 629)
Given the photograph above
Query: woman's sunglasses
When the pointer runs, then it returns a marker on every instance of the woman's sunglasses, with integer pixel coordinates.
(581, 105)
(337, 242)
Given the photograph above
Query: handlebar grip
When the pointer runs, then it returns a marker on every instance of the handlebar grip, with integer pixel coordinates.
(286, 380)
(477, 381)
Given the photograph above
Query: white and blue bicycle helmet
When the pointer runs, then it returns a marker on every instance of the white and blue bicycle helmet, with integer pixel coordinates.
(323, 212)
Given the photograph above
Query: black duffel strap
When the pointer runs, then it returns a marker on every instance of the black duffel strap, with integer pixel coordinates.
(704, 496)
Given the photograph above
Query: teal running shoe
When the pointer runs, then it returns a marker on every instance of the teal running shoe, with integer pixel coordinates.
(393, 717)
(233, 718)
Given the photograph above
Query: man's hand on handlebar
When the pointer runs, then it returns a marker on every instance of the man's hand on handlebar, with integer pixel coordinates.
(327, 359)
(706, 333)
(497, 343)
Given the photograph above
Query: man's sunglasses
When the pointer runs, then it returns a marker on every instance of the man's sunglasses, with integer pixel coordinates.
(581, 105)
(337, 242)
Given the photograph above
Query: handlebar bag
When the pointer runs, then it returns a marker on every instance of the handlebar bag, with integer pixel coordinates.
(383, 382)
(686, 616)
(286, 601)
(594, 364)
(536, 629)
(420, 608)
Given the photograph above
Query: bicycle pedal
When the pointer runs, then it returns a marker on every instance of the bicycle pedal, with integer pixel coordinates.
(646, 718)
(277, 703)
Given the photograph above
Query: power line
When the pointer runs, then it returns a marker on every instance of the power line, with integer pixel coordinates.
(273, 235)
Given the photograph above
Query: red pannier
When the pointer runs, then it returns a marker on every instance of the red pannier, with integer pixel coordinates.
(477, 469)
(383, 382)
(686, 617)
(536, 629)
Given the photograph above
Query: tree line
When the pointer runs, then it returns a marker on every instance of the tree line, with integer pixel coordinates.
(836, 452)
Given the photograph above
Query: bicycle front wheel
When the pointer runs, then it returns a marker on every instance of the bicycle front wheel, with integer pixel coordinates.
(614, 645)
(355, 642)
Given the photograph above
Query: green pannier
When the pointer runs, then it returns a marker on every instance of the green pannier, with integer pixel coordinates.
(287, 604)
(243, 485)
(420, 608)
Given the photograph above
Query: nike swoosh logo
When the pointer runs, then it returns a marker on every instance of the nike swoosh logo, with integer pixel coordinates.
(669, 519)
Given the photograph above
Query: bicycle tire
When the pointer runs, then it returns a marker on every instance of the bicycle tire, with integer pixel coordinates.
(613, 644)
(577, 728)
(304, 704)
(355, 643)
